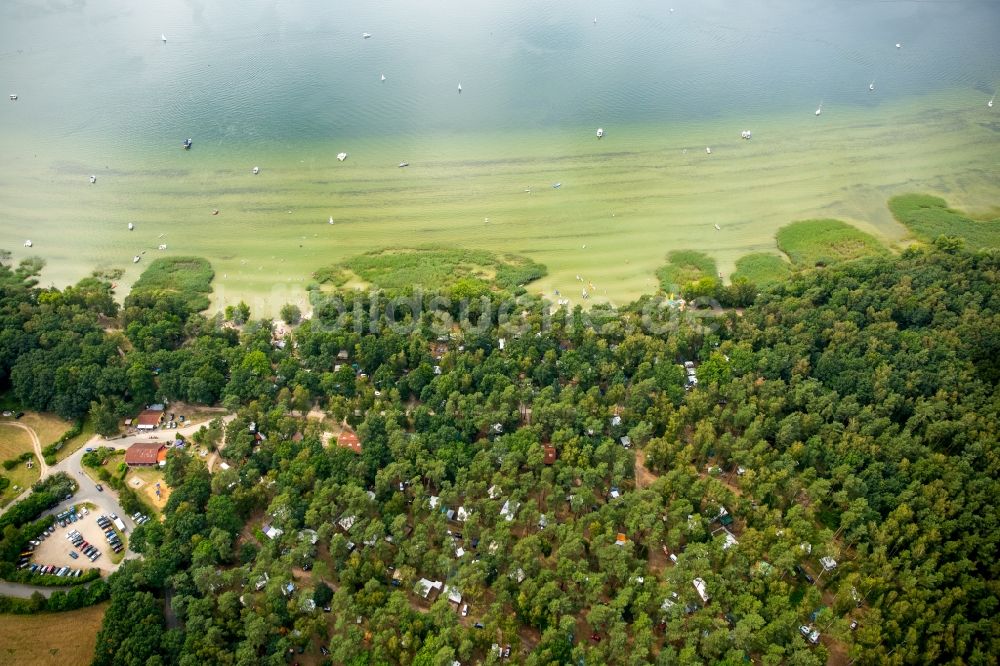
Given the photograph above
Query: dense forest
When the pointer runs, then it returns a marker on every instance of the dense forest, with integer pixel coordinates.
(812, 479)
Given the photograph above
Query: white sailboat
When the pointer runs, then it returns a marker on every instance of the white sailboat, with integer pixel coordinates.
(131, 226)
(708, 150)
(871, 86)
(989, 104)
(383, 77)
(819, 109)
(459, 88)
(331, 219)
(164, 38)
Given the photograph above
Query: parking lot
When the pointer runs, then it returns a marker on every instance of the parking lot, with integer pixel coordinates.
(56, 548)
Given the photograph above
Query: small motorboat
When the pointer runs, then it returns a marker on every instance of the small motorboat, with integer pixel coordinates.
(215, 211)
(718, 228)
(871, 87)
(403, 164)
(131, 226)
(556, 186)
(162, 246)
(459, 88)
(708, 150)
(136, 259)
(898, 45)
(256, 170)
(93, 179)
(382, 78)
(331, 219)
(187, 144)
(13, 98)
(366, 35)
(341, 156)
(746, 134)
(600, 132)
(27, 243)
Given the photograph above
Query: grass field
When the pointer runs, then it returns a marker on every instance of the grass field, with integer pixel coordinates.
(684, 267)
(48, 427)
(762, 268)
(14, 442)
(60, 639)
(625, 202)
(74, 444)
(929, 217)
(820, 242)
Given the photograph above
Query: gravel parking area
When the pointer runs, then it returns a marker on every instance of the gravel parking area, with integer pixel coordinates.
(56, 548)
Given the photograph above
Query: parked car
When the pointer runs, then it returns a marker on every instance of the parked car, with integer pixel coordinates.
(100, 488)
(73, 555)
(465, 610)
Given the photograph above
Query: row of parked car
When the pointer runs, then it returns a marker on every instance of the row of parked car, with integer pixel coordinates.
(109, 533)
(53, 570)
(87, 548)
(140, 518)
(68, 517)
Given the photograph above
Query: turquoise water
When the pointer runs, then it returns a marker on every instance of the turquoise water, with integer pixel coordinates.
(97, 73)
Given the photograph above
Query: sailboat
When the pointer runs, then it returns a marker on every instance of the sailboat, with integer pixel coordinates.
(331, 219)
(459, 88)
(131, 226)
(383, 77)
(819, 109)
(871, 86)
(164, 38)
(989, 104)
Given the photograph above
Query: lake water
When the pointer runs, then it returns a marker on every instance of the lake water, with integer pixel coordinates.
(289, 84)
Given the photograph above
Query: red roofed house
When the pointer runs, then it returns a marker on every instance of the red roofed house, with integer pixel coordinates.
(146, 454)
(550, 454)
(349, 440)
(149, 419)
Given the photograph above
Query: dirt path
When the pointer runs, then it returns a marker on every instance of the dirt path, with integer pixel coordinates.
(643, 477)
(35, 442)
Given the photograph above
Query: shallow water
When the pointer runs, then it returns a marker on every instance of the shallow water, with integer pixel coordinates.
(288, 85)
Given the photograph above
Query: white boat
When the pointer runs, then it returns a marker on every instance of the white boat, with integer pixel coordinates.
(898, 45)
(164, 38)
(131, 226)
(708, 150)
(135, 259)
(27, 243)
(331, 219)
(341, 156)
(556, 186)
(871, 86)
(162, 246)
(256, 170)
(13, 98)
(383, 77)
(460, 88)
(93, 179)
(819, 109)
(718, 228)
(403, 164)
(595, 20)
(989, 104)
(600, 132)
(366, 35)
